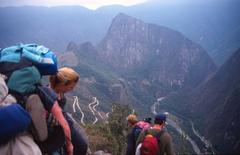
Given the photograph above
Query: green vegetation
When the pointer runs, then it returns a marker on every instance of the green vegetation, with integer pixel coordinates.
(100, 138)
(118, 125)
(110, 137)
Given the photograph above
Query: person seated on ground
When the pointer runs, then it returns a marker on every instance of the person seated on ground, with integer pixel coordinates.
(164, 139)
(65, 81)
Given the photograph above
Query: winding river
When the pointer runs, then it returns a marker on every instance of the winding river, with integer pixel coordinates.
(176, 126)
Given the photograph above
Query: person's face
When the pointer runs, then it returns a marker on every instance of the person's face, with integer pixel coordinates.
(66, 87)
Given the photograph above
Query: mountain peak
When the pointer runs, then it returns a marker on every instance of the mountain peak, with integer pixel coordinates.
(121, 16)
(132, 45)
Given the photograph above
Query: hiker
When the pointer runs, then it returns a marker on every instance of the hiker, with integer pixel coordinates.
(37, 102)
(141, 126)
(133, 134)
(160, 139)
(14, 120)
(23, 66)
(64, 81)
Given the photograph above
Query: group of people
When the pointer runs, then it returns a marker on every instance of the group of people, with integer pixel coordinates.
(33, 118)
(41, 126)
(147, 139)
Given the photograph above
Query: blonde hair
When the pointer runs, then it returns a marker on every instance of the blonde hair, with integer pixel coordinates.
(64, 75)
(132, 119)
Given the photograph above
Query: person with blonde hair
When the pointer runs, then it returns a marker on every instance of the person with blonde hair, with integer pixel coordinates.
(133, 134)
(64, 81)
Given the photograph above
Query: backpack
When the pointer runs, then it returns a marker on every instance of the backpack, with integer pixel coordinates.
(136, 132)
(140, 126)
(150, 144)
(23, 55)
(23, 65)
(144, 125)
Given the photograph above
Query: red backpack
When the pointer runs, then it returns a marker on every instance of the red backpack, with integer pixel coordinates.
(150, 144)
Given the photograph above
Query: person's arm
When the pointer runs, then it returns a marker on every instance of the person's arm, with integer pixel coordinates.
(57, 113)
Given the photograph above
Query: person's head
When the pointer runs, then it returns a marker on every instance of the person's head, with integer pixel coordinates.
(132, 119)
(65, 80)
(160, 119)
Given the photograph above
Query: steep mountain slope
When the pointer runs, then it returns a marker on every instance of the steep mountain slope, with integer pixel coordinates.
(214, 106)
(154, 53)
(96, 80)
(217, 103)
(137, 62)
(227, 47)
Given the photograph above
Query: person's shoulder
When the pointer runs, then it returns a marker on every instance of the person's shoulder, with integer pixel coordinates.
(166, 135)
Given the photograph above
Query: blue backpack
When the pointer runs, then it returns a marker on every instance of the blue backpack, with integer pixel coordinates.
(25, 55)
(14, 120)
(24, 64)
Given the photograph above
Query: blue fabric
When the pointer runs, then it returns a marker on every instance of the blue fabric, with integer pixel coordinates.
(161, 117)
(14, 120)
(131, 140)
(24, 80)
(47, 96)
(39, 56)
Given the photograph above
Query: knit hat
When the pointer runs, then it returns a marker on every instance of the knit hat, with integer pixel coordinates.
(160, 117)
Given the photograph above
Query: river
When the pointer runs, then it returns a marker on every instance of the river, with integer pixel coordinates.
(177, 127)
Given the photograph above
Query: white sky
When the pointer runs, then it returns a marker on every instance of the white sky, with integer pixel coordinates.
(91, 4)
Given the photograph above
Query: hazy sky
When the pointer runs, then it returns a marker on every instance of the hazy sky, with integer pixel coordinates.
(91, 4)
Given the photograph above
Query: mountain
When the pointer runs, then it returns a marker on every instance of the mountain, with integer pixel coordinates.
(96, 80)
(227, 47)
(153, 53)
(135, 63)
(208, 23)
(54, 27)
(217, 103)
(214, 106)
